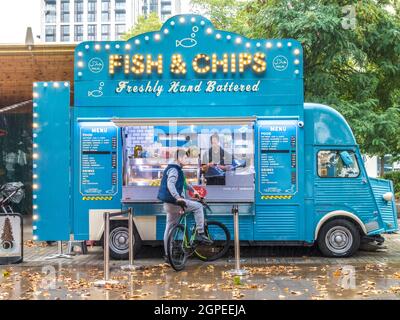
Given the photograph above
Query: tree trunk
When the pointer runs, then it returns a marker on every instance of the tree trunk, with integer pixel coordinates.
(382, 166)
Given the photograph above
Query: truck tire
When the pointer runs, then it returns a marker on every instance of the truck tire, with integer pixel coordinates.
(119, 243)
(339, 238)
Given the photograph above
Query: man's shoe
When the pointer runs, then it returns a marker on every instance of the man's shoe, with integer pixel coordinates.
(165, 258)
(203, 239)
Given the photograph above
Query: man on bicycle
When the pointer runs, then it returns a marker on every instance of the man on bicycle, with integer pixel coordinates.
(172, 194)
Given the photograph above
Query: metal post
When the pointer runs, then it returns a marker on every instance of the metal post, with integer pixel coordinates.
(106, 246)
(237, 271)
(131, 266)
(59, 254)
(102, 283)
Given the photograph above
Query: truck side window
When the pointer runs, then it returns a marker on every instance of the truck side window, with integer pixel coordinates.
(337, 164)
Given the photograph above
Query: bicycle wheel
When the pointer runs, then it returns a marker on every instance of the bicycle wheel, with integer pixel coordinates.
(177, 247)
(219, 234)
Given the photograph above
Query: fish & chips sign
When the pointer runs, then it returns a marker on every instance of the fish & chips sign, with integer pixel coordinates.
(187, 55)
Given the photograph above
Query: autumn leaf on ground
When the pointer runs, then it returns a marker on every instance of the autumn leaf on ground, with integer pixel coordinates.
(337, 273)
(395, 290)
(6, 273)
(237, 294)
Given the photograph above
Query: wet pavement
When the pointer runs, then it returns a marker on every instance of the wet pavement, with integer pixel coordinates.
(279, 273)
(204, 281)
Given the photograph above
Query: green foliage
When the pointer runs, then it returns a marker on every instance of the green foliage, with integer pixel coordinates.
(355, 70)
(395, 177)
(143, 25)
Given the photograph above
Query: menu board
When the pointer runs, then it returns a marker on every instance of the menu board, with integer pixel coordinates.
(277, 157)
(98, 159)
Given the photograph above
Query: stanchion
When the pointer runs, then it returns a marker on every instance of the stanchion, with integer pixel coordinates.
(59, 254)
(237, 271)
(131, 266)
(106, 280)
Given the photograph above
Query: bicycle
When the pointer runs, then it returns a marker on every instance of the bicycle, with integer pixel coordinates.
(182, 244)
(10, 192)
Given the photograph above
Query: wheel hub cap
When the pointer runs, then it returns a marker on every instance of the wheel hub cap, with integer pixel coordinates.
(339, 239)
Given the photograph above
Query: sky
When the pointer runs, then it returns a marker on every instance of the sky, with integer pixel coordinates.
(15, 17)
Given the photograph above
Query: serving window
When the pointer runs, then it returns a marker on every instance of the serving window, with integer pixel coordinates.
(220, 157)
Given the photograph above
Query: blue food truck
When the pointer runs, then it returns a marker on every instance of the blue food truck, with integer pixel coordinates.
(294, 169)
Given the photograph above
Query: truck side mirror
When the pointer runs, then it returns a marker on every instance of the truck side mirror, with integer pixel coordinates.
(346, 158)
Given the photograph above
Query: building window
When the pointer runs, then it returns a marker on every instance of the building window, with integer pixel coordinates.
(120, 5)
(78, 10)
(50, 33)
(64, 33)
(166, 10)
(153, 5)
(337, 164)
(119, 30)
(105, 11)
(65, 11)
(92, 10)
(105, 32)
(50, 11)
(78, 37)
(119, 16)
(92, 32)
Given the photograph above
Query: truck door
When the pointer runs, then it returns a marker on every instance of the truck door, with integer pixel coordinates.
(279, 180)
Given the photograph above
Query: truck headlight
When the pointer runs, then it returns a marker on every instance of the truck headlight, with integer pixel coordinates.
(388, 196)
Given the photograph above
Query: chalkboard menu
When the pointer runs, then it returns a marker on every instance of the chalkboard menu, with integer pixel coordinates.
(277, 157)
(98, 159)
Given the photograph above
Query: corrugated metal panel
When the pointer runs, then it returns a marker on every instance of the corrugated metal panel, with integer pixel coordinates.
(388, 211)
(276, 223)
(351, 193)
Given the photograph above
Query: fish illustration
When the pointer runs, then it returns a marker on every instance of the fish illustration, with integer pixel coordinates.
(186, 43)
(95, 93)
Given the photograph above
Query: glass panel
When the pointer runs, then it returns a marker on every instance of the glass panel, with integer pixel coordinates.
(78, 33)
(119, 4)
(65, 11)
(64, 33)
(50, 12)
(78, 10)
(153, 5)
(105, 16)
(105, 5)
(119, 30)
(105, 32)
(50, 33)
(91, 17)
(119, 16)
(16, 152)
(214, 155)
(92, 11)
(92, 31)
(337, 164)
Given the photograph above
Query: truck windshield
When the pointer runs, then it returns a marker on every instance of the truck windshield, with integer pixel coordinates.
(331, 164)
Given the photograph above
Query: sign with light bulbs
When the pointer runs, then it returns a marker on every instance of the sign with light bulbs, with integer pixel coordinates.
(201, 63)
(187, 57)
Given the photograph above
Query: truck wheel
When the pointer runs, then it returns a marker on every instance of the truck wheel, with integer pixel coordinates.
(338, 238)
(119, 240)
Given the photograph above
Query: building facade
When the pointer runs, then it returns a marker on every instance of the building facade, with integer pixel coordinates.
(73, 21)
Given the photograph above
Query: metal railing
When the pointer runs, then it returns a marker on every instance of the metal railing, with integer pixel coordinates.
(107, 217)
(237, 271)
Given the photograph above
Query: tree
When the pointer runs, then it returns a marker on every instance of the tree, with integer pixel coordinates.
(7, 237)
(143, 25)
(354, 68)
